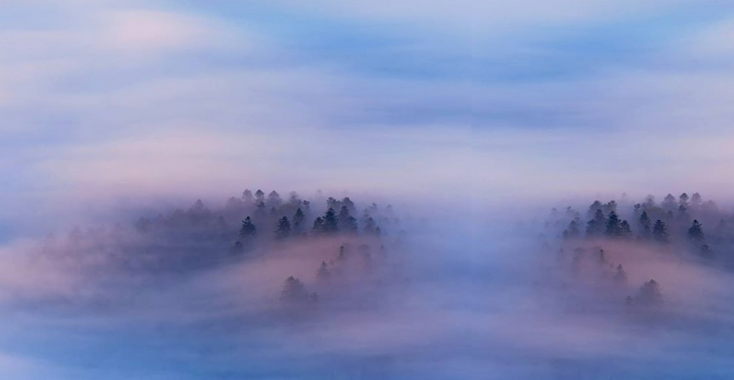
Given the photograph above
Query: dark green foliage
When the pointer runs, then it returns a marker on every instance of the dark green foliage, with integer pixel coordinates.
(620, 276)
(259, 196)
(706, 251)
(370, 227)
(572, 231)
(669, 202)
(283, 229)
(323, 272)
(625, 231)
(248, 229)
(330, 222)
(298, 220)
(695, 234)
(597, 225)
(613, 228)
(593, 209)
(649, 294)
(660, 232)
(645, 225)
(347, 223)
(247, 196)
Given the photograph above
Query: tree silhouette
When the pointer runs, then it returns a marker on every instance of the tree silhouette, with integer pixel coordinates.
(660, 232)
(248, 229)
(597, 225)
(649, 294)
(283, 229)
(347, 223)
(645, 225)
(695, 234)
(613, 228)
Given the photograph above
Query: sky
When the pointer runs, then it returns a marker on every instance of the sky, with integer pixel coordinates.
(104, 99)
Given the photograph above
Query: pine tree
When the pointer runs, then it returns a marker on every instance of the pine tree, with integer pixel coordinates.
(370, 227)
(695, 234)
(613, 228)
(323, 272)
(294, 290)
(660, 232)
(706, 251)
(650, 294)
(274, 199)
(620, 276)
(248, 229)
(331, 224)
(572, 231)
(283, 229)
(298, 220)
(259, 196)
(696, 200)
(669, 202)
(683, 200)
(645, 225)
(347, 223)
(596, 225)
(247, 196)
(318, 225)
(625, 231)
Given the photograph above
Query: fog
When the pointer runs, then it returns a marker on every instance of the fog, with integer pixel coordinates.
(168, 294)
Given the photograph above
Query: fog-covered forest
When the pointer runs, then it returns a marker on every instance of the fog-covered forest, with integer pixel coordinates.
(345, 288)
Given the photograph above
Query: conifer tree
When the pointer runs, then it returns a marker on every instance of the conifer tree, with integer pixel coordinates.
(645, 225)
(695, 234)
(298, 221)
(620, 276)
(248, 229)
(660, 232)
(330, 222)
(347, 223)
(596, 226)
(613, 228)
(283, 229)
(625, 231)
(650, 294)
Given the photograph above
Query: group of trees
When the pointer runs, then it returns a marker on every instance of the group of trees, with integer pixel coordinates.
(673, 221)
(329, 224)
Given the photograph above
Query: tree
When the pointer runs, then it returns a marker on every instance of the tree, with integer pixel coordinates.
(645, 225)
(706, 251)
(298, 220)
(248, 229)
(593, 209)
(370, 227)
(323, 272)
(649, 294)
(330, 222)
(613, 228)
(318, 225)
(283, 229)
(259, 196)
(347, 222)
(625, 231)
(669, 202)
(696, 200)
(596, 225)
(683, 200)
(274, 199)
(294, 290)
(572, 231)
(247, 196)
(660, 232)
(695, 234)
(620, 276)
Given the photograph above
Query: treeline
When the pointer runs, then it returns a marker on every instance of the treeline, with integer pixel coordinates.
(685, 225)
(676, 222)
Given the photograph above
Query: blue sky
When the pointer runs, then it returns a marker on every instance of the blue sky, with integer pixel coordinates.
(107, 99)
